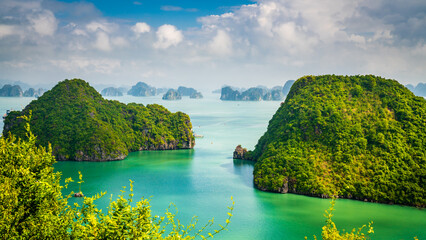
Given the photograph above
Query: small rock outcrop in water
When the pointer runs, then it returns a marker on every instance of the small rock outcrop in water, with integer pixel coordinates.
(239, 152)
(172, 95)
(81, 125)
(11, 91)
(142, 89)
(112, 92)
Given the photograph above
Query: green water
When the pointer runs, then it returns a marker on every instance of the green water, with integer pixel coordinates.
(201, 181)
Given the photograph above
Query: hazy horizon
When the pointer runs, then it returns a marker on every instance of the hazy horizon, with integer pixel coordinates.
(206, 45)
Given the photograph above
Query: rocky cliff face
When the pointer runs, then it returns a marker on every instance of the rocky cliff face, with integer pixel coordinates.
(142, 89)
(11, 91)
(112, 92)
(172, 95)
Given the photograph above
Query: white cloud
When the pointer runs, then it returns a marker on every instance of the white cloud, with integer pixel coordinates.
(44, 22)
(221, 44)
(119, 41)
(141, 27)
(79, 32)
(6, 30)
(167, 36)
(79, 64)
(102, 42)
(171, 8)
(96, 26)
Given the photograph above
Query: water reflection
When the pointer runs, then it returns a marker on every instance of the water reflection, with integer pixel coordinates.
(244, 169)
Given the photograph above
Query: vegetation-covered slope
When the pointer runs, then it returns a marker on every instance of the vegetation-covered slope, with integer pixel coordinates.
(81, 125)
(361, 137)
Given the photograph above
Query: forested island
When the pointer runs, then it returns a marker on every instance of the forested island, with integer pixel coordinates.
(357, 137)
(82, 126)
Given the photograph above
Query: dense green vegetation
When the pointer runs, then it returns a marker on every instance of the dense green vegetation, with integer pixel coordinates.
(361, 137)
(33, 207)
(81, 125)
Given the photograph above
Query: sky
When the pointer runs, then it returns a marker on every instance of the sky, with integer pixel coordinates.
(207, 44)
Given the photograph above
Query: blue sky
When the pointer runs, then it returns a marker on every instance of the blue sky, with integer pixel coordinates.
(182, 13)
(207, 44)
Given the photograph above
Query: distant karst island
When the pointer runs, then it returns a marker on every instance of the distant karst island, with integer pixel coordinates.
(357, 137)
(418, 90)
(172, 94)
(258, 93)
(81, 125)
(9, 90)
(31, 92)
(142, 89)
(112, 92)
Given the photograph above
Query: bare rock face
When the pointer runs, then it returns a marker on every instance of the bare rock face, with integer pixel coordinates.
(240, 152)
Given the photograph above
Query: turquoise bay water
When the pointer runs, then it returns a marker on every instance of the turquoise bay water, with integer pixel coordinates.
(201, 181)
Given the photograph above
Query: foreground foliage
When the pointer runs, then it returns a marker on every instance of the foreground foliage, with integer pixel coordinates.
(330, 231)
(32, 206)
(81, 125)
(363, 137)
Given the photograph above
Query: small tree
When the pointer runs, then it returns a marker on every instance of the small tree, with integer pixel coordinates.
(330, 232)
